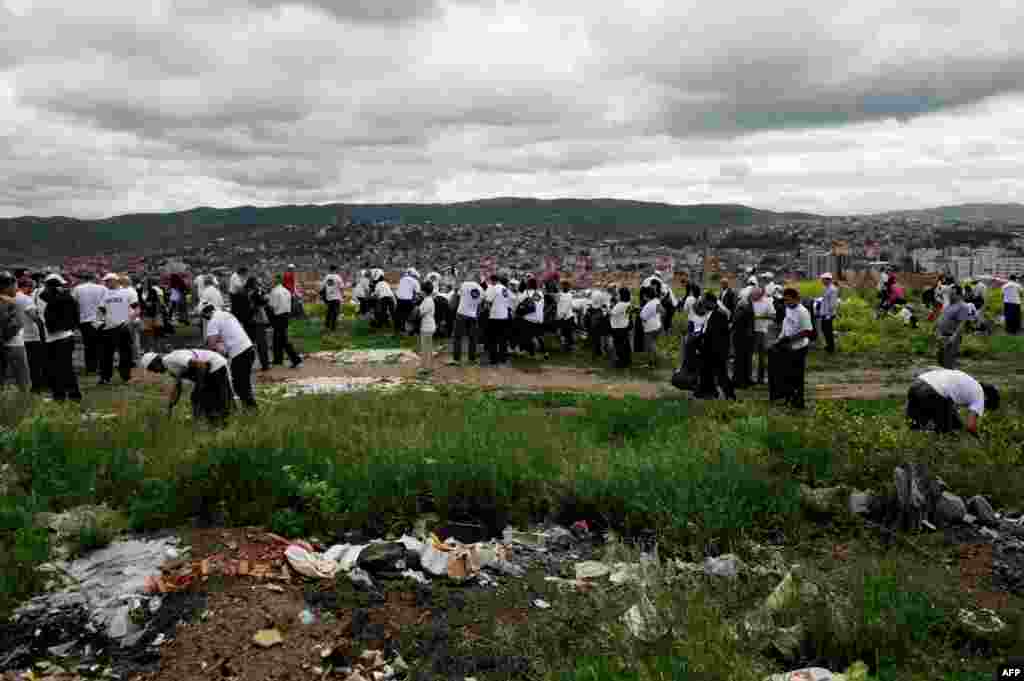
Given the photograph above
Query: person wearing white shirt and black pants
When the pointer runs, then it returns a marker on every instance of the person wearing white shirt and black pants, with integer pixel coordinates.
(225, 334)
(1011, 305)
(619, 322)
(279, 305)
(764, 318)
(500, 319)
(89, 295)
(115, 311)
(330, 292)
(789, 354)
(408, 289)
(207, 370)
(467, 323)
(934, 399)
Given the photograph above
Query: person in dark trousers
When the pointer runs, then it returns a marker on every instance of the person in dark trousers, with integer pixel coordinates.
(714, 350)
(743, 343)
(330, 294)
(467, 304)
(224, 334)
(619, 319)
(60, 314)
(934, 399)
(206, 370)
(501, 311)
(828, 310)
(89, 295)
(788, 360)
(118, 309)
(1011, 305)
(279, 307)
(252, 313)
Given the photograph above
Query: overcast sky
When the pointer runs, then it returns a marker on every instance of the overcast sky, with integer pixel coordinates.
(113, 106)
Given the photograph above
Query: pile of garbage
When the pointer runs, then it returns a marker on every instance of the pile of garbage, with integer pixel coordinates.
(327, 385)
(379, 356)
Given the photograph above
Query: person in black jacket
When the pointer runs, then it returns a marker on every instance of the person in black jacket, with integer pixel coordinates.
(743, 344)
(60, 314)
(252, 313)
(714, 351)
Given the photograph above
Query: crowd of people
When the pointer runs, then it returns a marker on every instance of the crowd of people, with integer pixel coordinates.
(735, 338)
(43, 317)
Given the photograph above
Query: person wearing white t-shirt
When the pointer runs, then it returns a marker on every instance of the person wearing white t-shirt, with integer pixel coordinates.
(501, 301)
(210, 294)
(384, 308)
(650, 317)
(566, 317)
(279, 307)
(532, 324)
(115, 312)
(206, 370)
(748, 289)
(35, 348)
(934, 399)
(363, 293)
(330, 293)
(598, 328)
(225, 334)
(428, 325)
(237, 281)
(619, 321)
(89, 296)
(408, 289)
(788, 364)
(467, 322)
(1011, 304)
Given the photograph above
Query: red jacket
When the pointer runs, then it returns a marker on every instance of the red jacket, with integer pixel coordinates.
(289, 281)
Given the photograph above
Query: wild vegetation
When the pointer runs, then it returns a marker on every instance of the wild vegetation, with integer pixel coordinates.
(685, 479)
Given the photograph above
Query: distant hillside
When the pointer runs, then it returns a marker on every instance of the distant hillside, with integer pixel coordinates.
(968, 212)
(61, 236)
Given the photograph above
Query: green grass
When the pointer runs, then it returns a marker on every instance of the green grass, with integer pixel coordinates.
(694, 477)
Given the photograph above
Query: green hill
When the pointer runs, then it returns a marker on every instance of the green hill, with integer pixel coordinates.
(141, 232)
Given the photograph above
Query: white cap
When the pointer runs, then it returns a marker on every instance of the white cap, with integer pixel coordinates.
(110, 276)
(147, 359)
(752, 280)
(827, 275)
(291, 266)
(55, 277)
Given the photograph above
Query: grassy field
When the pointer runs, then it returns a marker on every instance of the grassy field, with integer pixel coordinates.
(692, 478)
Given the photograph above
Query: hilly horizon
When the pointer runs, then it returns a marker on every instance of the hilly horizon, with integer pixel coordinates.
(60, 235)
(35, 236)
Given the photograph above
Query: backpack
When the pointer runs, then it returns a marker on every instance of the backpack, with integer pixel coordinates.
(10, 323)
(61, 312)
(526, 307)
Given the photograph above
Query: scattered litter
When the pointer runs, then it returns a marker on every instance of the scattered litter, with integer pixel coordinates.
(789, 592)
(361, 577)
(983, 623)
(416, 576)
(808, 674)
(644, 622)
(727, 566)
(267, 638)
(320, 385)
(98, 416)
(592, 569)
(541, 604)
(310, 564)
(378, 356)
(307, 616)
(107, 583)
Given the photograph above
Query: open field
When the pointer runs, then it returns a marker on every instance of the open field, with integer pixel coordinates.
(558, 442)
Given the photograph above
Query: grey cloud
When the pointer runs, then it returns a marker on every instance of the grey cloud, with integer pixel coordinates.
(368, 11)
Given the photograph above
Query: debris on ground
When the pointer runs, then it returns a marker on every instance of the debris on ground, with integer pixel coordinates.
(322, 385)
(267, 638)
(378, 356)
(644, 621)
